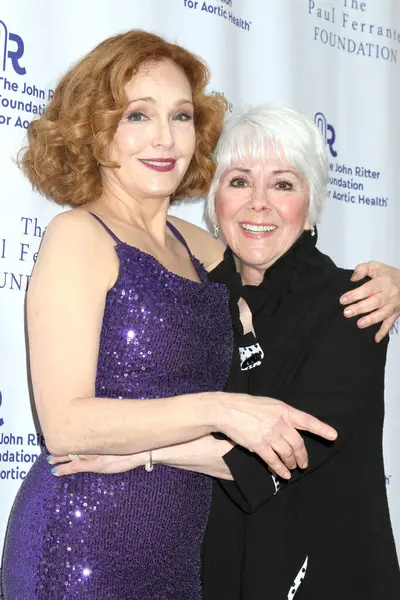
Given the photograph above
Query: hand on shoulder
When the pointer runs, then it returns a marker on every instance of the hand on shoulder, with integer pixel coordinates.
(378, 299)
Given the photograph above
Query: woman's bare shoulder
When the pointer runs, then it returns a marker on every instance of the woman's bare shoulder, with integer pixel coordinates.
(74, 240)
(76, 230)
(201, 243)
(73, 221)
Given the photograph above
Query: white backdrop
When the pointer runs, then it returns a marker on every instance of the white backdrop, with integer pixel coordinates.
(336, 60)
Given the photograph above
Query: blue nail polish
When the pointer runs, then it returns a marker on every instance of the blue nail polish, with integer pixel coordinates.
(54, 469)
(48, 457)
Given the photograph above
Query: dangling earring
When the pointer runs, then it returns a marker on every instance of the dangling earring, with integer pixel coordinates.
(311, 228)
(216, 231)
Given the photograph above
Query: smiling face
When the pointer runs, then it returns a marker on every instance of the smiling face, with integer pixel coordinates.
(261, 208)
(155, 139)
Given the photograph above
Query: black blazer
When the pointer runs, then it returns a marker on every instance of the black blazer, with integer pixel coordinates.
(325, 534)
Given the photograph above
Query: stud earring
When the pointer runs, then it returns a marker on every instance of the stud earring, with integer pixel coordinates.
(216, 231)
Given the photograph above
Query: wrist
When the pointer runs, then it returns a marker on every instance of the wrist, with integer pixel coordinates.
(226, 406)
(214, 410)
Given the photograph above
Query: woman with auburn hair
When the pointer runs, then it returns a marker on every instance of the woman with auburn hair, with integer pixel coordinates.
(130, 344)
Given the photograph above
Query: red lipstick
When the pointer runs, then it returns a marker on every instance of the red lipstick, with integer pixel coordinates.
(162, 165)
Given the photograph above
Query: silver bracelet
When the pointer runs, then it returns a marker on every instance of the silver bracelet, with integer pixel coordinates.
(149, 466)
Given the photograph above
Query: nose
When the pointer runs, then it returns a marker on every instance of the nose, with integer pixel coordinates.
(259, 201)
(163, 135)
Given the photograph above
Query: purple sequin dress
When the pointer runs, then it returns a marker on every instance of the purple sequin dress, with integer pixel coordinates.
(135, 535)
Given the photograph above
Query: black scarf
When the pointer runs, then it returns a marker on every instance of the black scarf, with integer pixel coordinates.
(286, 306)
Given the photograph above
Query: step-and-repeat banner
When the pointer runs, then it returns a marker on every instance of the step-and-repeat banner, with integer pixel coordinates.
(336, 60)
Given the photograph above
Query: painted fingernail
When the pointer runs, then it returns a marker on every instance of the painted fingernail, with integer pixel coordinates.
(348, 312)
(54, 470)
(49, 458)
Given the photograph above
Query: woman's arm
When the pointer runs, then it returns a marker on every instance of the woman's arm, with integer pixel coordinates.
(378, 299)
(65, 307)
(202, 456)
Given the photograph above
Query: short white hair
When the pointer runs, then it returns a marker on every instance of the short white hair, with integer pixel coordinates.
(294, 138)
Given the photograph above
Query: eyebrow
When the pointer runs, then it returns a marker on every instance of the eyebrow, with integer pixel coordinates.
(276, 172)
(153, 100)
(281, 171)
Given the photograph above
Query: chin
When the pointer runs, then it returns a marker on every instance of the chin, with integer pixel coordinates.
(256, 258)
(160, 192)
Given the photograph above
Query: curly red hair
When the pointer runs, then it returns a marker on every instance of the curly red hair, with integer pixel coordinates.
(79, 123)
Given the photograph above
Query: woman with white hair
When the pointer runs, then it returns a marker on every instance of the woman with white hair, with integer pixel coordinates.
(323, 531)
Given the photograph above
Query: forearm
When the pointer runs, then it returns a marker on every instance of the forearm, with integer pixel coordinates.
(113, 426)
(203, 455)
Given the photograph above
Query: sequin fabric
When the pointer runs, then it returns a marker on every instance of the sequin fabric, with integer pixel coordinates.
(135, 535)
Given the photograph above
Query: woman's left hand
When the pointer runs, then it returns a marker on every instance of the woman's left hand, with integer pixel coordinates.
(379, 297)
(94, 463)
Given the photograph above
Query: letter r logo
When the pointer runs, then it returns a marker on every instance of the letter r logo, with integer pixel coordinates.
(331, 140)
(11, 49)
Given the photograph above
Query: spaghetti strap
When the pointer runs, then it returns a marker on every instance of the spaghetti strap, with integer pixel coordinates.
(172, 228)
(179, 237)
(114, 237)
